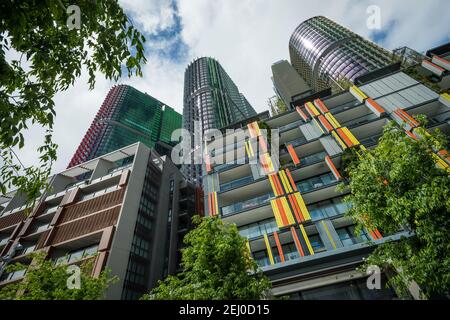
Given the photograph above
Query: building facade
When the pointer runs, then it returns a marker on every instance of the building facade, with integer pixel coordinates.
(327, 54)
(212, 101)
(125, 117)
(289, 208)
(288, 84)
(128, 210)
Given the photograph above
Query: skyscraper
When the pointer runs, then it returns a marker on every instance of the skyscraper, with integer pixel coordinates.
(212, 99)
(125, 117)
(288, 84)
(327, 54)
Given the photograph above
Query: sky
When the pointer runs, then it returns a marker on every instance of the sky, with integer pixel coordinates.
(246, 36)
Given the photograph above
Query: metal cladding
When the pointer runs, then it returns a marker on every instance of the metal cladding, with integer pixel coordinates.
(326, 54)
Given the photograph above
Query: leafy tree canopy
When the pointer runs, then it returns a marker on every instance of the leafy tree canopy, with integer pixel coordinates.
(51, 54)
(396, 185)
(216, 265)
(45, 281)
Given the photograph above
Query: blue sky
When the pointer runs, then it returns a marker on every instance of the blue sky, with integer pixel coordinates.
(246, 36)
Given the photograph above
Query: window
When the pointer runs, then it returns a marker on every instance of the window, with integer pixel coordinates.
(13, 275)
(3, 239)
(348, 235)
(261, 258)
(290, 251)
(316, 243)
(77, 255)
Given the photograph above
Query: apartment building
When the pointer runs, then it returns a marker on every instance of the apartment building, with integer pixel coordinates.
(289, 209)
(128, 210)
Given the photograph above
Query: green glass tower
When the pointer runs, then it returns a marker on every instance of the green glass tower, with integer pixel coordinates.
(126, 117)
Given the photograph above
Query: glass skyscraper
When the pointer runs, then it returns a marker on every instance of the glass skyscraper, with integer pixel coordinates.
(327, 54)
(125, 117)
(211, 98)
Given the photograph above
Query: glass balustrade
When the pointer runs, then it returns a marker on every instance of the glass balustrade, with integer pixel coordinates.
(236, 183)
(257, 229)
(247, 204)
(316, 182)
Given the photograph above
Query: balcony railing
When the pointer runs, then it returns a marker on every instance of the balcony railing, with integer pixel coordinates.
(236, 183)
(247, 204)
(296, 142)
(290, 126)
(316, 182)
(360, 120)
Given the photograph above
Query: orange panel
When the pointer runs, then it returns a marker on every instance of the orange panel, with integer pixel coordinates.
(302, 114)
(282, 213)
(293, 154)
(332, 167)
(319, 104)
(344, 137)
(375, 105)
(297, 242)
(280, 250)
(262, 144)
(293, 185)
(325, 123)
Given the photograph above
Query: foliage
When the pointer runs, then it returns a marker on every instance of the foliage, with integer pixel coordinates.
(398, 184)
(46, 281)
(276, 105)
(264, 126)
(50, 57)
(216, 265)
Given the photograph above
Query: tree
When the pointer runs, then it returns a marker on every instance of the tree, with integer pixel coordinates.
(46, 281)
(216, 265)
(396, 185)
(51, 53)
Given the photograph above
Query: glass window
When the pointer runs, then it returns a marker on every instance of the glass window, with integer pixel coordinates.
(316, 243)
(261, 258)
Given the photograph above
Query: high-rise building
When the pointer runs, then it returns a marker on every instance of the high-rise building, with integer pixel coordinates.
(327, 54)
(288, 84)
(128, 210)
(125, 117)
(289, 208)
(212, 99)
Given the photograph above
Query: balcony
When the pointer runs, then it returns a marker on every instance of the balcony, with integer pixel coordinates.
(236, 183)
(297, 142)
(316, 182)
(359, 121)
(247, 204)
(290, 126)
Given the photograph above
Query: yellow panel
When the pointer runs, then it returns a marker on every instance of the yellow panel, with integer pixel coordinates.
(216, 203)
(269, 249)
(328, 234)
(276, 213)
(305, 236)
(350, 136)
(302, 206)
(287, 211)
(339, 140)
(273, 186)
(286, 184)
(332, 120)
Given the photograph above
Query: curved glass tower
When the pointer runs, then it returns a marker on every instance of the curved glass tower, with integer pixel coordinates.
(213, 100)
(327, 54)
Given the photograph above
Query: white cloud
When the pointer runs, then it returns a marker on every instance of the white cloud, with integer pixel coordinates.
(246, 36)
